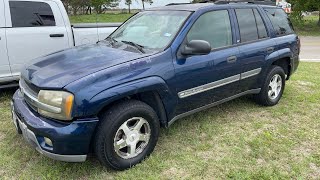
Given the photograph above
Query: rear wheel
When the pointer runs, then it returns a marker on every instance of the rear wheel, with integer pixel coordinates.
(273, 87)
(127, 134)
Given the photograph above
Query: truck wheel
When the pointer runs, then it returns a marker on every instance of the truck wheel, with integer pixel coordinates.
(127, 134)
(273, 87)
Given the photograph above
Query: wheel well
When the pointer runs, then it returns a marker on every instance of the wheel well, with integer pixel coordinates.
(152, 98)
(284, 63)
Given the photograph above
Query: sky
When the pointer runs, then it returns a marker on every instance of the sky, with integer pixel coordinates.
(137, 4)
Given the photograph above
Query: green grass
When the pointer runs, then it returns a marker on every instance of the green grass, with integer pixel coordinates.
(101, 18)
(308, 26)
(238, 139)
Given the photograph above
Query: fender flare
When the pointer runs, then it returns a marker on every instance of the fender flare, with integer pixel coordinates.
(108, 96)
(271, 58)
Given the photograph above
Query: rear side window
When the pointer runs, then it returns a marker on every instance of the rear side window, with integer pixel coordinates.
(213, 27)
(262, 32)
(251, 25)
(280, 21)
(31, 14)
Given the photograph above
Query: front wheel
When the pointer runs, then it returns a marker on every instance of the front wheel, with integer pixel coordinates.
(127, 134)
(273, 87)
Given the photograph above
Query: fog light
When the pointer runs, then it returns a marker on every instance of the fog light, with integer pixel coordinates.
(48, 141)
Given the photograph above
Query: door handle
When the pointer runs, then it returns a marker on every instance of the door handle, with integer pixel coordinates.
(56, 35)
(232, 59)
(270, 49)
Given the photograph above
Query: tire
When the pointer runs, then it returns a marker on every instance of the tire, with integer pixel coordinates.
(264, 98)
(113, 129)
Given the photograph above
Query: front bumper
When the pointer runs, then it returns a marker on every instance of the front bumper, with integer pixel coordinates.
(71, 141)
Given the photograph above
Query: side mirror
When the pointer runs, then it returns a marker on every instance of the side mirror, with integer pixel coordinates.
(196, 47)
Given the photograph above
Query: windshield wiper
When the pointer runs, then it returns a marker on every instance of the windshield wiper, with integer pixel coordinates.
(138, 46)
(111, 39)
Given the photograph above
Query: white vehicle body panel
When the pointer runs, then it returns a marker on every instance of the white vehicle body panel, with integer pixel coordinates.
(5, 72)
(20, 45)
(91, 33)
(27, 43)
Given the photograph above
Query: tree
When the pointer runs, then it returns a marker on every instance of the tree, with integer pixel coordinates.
(101, 5)
(305, 5)
(146, 1)
(128, 3)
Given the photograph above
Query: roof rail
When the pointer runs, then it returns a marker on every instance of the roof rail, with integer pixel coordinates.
(174, 4)
(262, 2)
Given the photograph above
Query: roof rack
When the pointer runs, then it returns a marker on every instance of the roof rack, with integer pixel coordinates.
(262, 2)
(174, 4)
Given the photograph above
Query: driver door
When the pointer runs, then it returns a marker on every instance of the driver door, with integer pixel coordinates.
(204, 79)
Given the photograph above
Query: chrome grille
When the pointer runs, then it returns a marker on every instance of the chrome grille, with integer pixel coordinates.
(30, 96)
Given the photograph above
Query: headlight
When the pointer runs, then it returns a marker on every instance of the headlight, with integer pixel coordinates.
(55, 104)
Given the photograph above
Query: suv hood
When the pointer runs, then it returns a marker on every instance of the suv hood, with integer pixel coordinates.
(60, 69)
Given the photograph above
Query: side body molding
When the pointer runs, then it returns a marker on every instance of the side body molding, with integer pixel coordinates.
(110, 95)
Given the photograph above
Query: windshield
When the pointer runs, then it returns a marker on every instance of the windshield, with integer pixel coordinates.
(151, 29)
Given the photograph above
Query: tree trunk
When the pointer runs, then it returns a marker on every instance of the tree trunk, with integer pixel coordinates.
(88, 8)
(74, 11)
(99, 9)
(129, 9)
(143, 4)
(319, 18)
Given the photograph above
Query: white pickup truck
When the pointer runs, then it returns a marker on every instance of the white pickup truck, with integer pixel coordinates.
(34, 28)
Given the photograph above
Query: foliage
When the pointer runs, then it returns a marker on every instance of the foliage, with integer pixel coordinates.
(128, 3)
(75, 7)
(146, 1)
(307, 26)
(306, 5)
(101, 5)
(86, 6)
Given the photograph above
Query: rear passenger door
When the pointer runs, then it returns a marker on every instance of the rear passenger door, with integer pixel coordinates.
(37, 29)
(255, 46)
(203, 79)
(287, 41)
(5, 73)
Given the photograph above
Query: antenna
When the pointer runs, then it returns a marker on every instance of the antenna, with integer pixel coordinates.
(97, 28)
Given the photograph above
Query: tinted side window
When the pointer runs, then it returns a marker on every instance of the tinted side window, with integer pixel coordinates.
(31, 14)
(213, 27)
(247, 25)
(262, 32)
(280, 21)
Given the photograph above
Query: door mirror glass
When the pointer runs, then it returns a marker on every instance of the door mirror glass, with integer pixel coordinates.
(196, 47)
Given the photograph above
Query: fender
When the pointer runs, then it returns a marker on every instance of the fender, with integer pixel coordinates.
(268, 61)
(106, 97)
(276, 55)
(285, 53)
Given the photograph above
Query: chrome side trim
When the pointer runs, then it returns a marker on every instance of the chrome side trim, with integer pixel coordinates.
(251, 73)
(207, 87)
(35, 102)
(253, 91)
(219, 83)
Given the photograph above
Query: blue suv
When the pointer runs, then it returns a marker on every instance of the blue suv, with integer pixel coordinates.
(161, 65)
